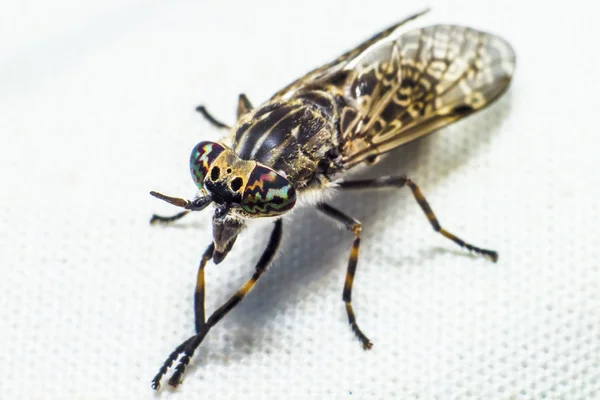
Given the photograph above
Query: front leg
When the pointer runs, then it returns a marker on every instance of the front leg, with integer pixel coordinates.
(188, 347)
(200, 292)
(165, 220)
(199, 314)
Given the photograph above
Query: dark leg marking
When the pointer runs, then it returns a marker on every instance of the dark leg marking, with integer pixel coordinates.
(215, 122)
(188, 347)
(401, 181)
(355, 227)
(165, 220)
(167, 364)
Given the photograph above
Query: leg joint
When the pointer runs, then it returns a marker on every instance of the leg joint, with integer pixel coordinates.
(356, 228)
(398, 181)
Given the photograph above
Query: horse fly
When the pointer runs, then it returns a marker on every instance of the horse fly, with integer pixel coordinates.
(390, 90)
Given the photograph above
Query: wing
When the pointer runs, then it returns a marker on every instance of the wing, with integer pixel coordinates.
(326, 71)
(398, 86)
(400, 89)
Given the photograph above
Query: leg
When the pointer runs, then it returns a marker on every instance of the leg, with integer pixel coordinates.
(199, 292)
(400, 181)
(188, 347)
(165, 220)
(355, 227)
(199, 311)
(202, 110)
(244, 105)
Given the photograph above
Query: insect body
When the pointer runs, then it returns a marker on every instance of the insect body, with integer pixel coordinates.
(390, 90)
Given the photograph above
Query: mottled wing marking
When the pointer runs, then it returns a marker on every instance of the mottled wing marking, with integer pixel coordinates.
(398, 90)
(328, 70)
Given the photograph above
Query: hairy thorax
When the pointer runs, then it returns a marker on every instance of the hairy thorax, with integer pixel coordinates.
(298, 137)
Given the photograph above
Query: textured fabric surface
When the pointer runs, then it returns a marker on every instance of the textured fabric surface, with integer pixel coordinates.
(96, 110)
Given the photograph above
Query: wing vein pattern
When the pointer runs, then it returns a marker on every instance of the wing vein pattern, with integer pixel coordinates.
(396, 87)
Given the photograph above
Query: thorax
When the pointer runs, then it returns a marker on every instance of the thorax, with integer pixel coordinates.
(298, 137)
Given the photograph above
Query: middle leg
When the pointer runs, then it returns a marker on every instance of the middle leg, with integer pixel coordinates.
(355, 227)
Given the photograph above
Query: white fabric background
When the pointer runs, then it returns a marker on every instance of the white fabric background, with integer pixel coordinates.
(96, 109)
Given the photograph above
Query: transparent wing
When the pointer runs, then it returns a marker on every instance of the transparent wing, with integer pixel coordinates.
(323, 73)
(400, 85)
(400, 89)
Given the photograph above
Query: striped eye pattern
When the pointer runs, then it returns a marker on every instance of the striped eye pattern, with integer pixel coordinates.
(203, 156)
(267, 194)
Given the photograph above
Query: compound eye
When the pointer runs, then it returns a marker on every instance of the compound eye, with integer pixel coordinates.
(203, 156)
(267, 194)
